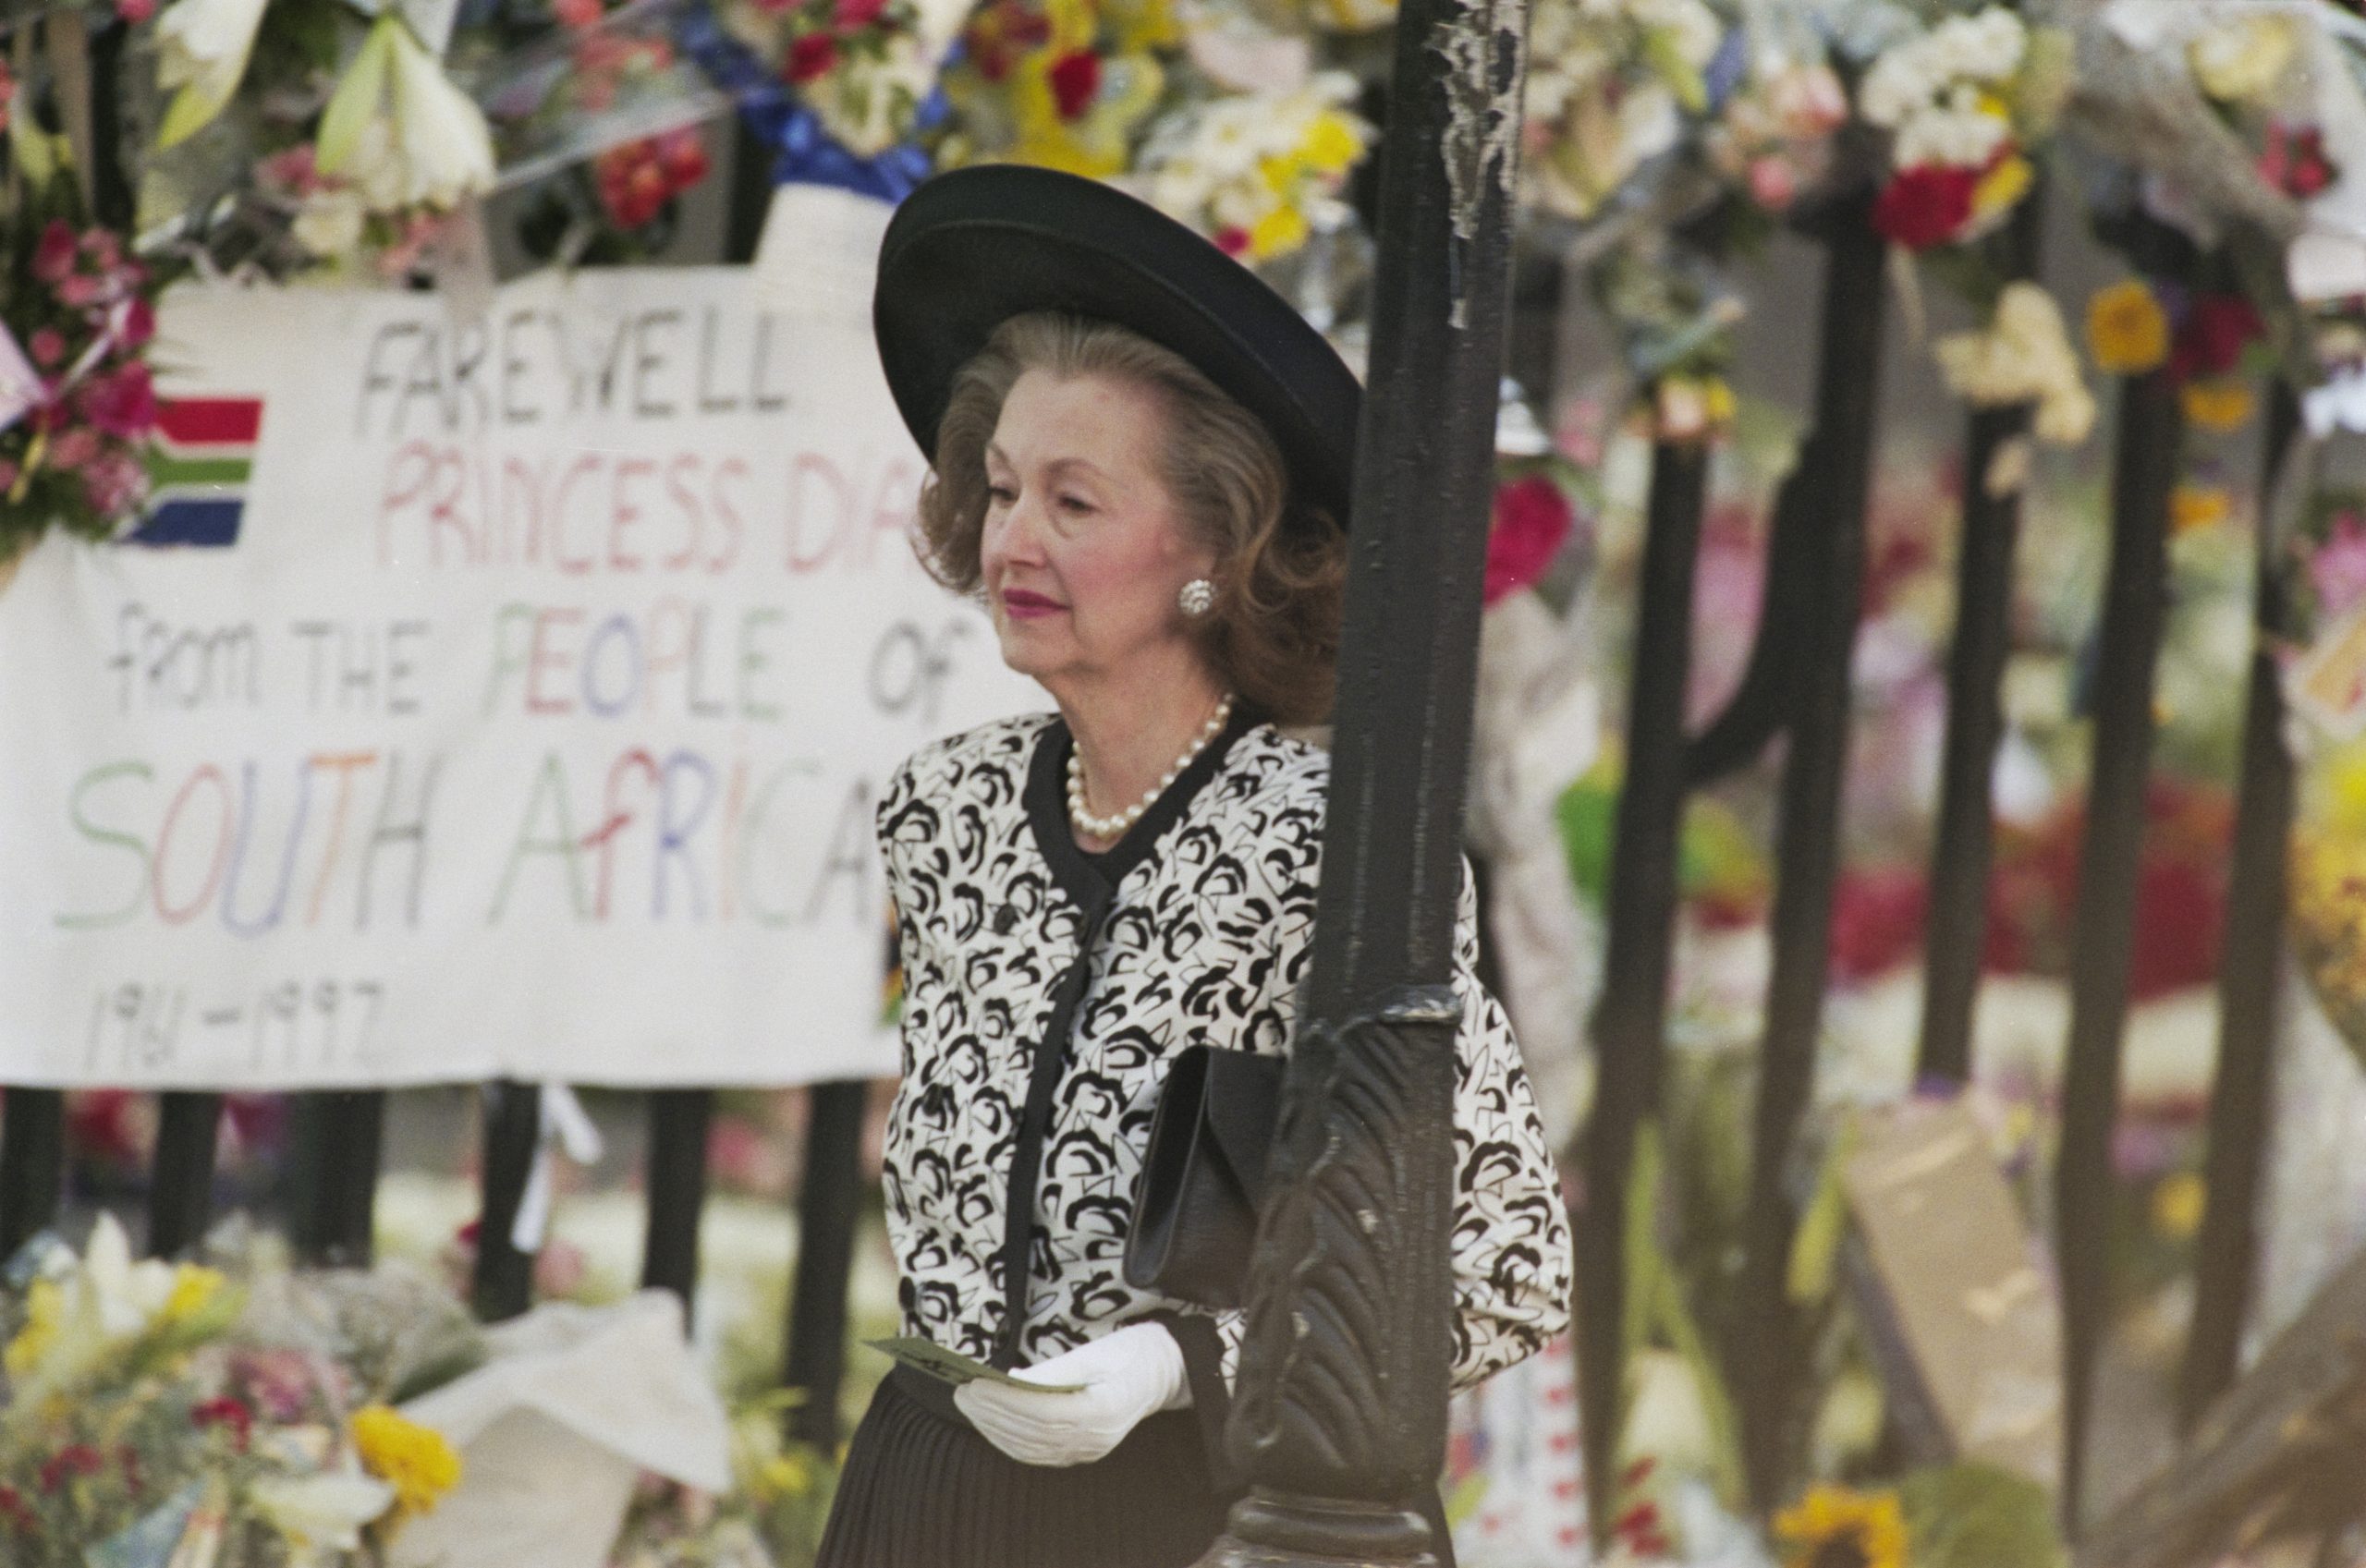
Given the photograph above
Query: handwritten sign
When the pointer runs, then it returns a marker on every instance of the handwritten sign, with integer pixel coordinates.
(507, 695)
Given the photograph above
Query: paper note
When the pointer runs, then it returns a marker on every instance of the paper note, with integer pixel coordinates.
(952, 1367)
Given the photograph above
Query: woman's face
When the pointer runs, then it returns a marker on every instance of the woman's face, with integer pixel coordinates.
(1083, 551)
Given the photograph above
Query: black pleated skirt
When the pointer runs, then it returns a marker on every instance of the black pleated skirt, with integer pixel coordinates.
(921, 1489)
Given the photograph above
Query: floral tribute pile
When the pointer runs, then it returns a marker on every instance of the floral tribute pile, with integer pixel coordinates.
(154, 1417)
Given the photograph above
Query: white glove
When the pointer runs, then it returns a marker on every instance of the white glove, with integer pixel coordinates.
(1124, 1376)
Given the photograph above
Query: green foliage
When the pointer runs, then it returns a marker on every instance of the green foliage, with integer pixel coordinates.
(1973, 1515)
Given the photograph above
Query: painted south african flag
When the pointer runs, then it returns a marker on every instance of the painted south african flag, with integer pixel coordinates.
(204, 454)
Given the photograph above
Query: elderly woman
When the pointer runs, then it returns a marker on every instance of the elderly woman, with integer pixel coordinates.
(1139, 460)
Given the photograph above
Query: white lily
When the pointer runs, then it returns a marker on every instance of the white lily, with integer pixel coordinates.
(448, 149)
(323, 1515)
(405, 134)
(122, 1296)
(202, 48)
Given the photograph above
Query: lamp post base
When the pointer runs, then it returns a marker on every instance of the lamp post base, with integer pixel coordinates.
(1272, 1529)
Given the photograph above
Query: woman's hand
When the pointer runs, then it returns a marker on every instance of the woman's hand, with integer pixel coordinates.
(1122, 1377)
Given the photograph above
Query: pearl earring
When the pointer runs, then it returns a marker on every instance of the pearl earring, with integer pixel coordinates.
(1198, 597)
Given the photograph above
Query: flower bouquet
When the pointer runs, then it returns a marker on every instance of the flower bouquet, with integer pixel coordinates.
(77, 407)
(1069, 84)
(161, 1412)
(1257, 171)
(2325, 681)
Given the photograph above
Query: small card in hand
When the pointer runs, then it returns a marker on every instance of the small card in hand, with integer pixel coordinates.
(952, 1367)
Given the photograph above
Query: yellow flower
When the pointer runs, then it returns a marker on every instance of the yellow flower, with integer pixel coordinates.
(412, 1458)
(2126, 330)
(1278, 232)
(787, 1474)
(2002, 187)
(2221, 406)
(194, 1288)
(2243, 58)
(2194, 507)
(45, 1311)
(1333, 143)
(2177, 1204)
(1835, 1524)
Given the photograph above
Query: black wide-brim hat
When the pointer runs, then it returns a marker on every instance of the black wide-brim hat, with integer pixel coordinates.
(970, 249)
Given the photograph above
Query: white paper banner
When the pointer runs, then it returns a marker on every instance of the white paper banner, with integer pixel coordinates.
(522, 712)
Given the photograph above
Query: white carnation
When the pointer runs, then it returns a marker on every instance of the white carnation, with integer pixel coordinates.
(1959, 134)
(1902, 81)
(1987, 47)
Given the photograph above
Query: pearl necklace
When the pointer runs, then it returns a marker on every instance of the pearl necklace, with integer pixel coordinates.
(1114, 827)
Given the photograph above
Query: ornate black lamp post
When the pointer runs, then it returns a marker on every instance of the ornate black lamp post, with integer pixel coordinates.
(1341, 1411)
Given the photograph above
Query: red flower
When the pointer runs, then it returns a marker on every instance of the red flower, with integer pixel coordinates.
(2294, 162)
(853, 16)
(1876, 921)
(1925, 205)
(811, 56)
(46, 346)
(17, 1511)
(1076, 81)
(683, 153)
(1531, 520)
(54, 257)
(135, 11)
(2213, 336)
(1232, 241)
(74, 1459)
(577, 13)
(224, 1411)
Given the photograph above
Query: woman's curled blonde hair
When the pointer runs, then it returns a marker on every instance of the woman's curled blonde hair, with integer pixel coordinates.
(1281, 565)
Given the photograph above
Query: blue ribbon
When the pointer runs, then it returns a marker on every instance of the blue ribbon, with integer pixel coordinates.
(803, 153)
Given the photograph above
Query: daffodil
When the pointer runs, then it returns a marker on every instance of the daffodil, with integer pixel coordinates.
(2194, 507)
(1834, 1524)
(201, 50)
(2126, 330)
(2217, 405)
(415, 1459)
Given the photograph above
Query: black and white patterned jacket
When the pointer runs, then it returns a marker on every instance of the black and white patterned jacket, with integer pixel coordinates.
(1194, 928)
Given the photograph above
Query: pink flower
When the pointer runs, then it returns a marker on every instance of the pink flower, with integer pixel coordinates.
(122, 404)
(135, 11)
(1533, 518)
(1773, 183)
(115, 484)
(54, 257)
(577, 13)
(74, 448)
(294, 170)
(81, 290)
(136, 325)
(849, 16)
(2337, 570)
(47, 346)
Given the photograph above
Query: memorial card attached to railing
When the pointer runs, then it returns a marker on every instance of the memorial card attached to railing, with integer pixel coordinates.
(503, 693)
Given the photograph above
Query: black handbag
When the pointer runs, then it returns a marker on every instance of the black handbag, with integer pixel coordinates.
(1195, 1208)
